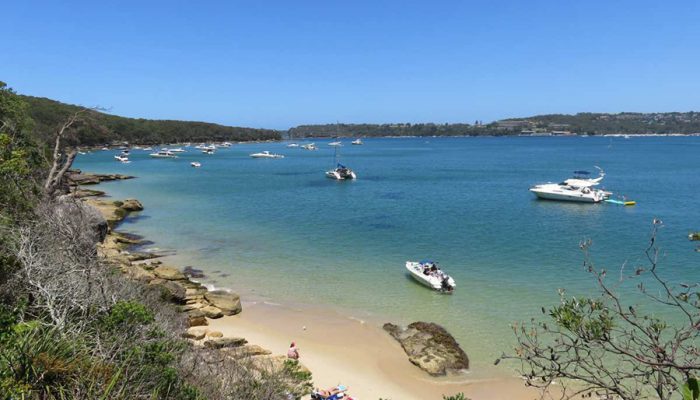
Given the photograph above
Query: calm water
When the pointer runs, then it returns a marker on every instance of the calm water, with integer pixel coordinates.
(280, 230)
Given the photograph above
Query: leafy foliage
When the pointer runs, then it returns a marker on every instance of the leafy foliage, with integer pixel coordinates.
(102, 128)
(609, 349)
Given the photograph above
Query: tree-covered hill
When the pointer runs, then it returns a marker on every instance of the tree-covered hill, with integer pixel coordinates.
(557, 124)
(101, 128)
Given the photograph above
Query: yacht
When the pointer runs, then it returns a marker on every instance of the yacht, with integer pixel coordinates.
(178, 150)
(266, 154)
(293, 145)
(580, 188)
(310, 146)
(427, 273)
(341, 173)
(163, 154)
(208, 151)
(357, 142)
(149, 148)
(196, 164)
(335, 144)
(122, 158)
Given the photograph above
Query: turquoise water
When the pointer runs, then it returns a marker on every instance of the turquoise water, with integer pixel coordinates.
(280, 230)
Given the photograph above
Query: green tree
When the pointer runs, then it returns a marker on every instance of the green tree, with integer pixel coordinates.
(607, 347)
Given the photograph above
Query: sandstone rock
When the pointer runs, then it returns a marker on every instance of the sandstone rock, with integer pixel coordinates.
(212, 312)
(195, 333)
(220, 343)
(228, 302)
(196, 318)
(430, 347)
(249, 350)
(215, 334)
(169, 273)
(173, 291)
(192, 306)
(137, 273)
(132, 205)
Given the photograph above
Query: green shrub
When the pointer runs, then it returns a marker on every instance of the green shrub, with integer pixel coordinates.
(125, 314)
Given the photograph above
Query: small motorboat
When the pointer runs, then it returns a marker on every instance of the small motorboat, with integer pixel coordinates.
(336, 144)
(266, 154)
(293, 145)
(694, 236)
(208, 151)
(163, 154)
(178, 150)
(196, 164)
(310, 146)
(122, 158)
(427, 273)
(357, 142)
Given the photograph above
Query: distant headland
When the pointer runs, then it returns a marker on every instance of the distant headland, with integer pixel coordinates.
(106, 128)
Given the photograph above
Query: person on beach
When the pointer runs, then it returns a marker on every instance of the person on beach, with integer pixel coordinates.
(293, 352)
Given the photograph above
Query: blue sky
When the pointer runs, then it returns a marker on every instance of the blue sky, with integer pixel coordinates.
(279, 64)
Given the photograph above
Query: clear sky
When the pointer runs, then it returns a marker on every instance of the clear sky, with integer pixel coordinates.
(278, 64)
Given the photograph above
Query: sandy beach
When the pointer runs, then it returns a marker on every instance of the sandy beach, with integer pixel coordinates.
(338, 349)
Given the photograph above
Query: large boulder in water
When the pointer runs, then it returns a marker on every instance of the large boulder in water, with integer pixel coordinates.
(132, 205)
(430, 347)
(228, 302)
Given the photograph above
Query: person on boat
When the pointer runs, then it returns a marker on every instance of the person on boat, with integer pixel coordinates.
(293, 352)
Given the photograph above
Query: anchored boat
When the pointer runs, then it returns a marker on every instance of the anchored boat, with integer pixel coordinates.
(427, 273)
(580, 188)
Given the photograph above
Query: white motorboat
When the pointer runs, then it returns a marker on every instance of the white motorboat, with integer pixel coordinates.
(208, 151)
(580, 188)
(310, 146)
(149, 148)
(226, 144)
(163, 154)
(357, 142)
(336, 144)
(266, 154)
(178, 150)
(105, 148)
(196, 164)
(122, 158)
(293, 145)
(427, 273)
(341, 173)
(205, 147)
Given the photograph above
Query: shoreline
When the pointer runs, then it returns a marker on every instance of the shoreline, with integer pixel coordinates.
(336, 347)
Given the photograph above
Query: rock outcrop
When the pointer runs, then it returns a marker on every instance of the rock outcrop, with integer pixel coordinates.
(430, 347)
(224, 342)
(132, 205)
(228, 302)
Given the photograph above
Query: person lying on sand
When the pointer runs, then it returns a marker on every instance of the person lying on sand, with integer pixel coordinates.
(332, 391)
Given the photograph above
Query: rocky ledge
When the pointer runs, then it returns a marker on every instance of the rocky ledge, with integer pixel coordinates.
(430, 347)
(191, 297)
(77, 177)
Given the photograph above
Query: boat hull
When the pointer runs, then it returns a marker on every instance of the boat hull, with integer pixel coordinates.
(574, 197)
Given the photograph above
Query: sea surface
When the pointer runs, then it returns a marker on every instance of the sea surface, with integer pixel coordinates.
(279, 230)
